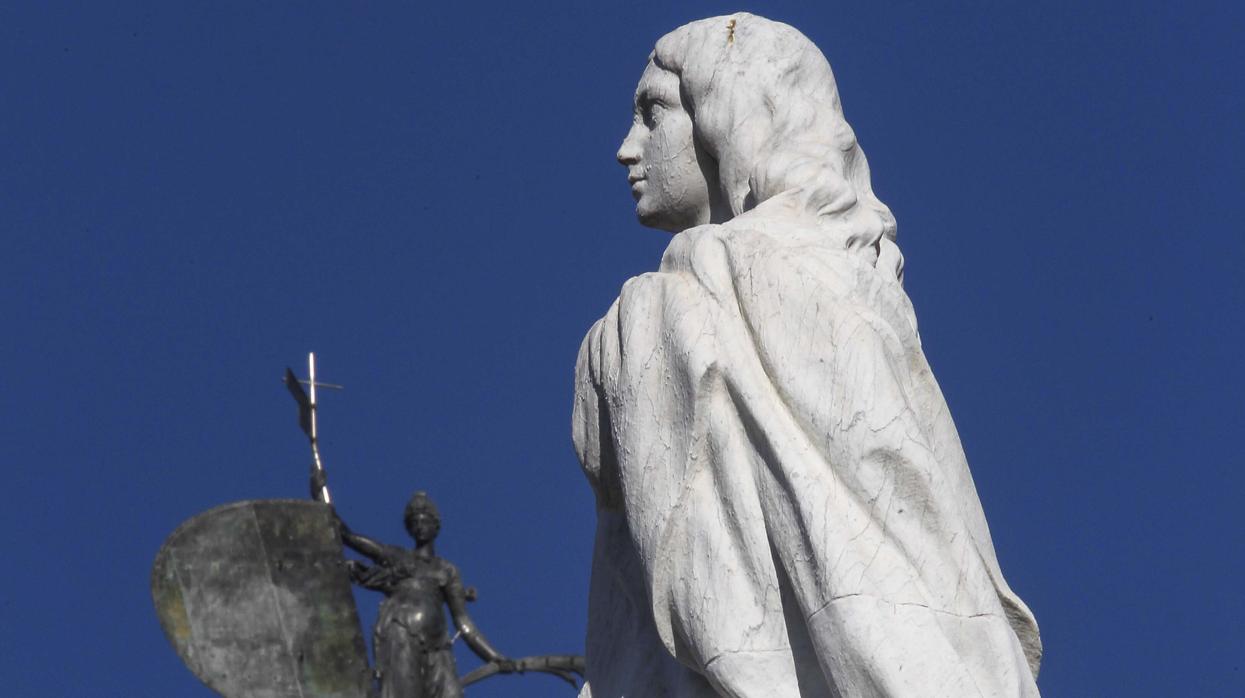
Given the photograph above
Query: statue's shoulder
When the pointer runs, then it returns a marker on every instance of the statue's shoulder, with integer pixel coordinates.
(692, 248)
(696, 259)
(679, 264)
(397, 557)
(442, 570)
(761, 263)
(757, 249)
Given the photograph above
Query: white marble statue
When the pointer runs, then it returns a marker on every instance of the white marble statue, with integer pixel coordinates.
(784, 507)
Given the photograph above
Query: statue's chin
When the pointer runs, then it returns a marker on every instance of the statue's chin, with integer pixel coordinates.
(661, 220)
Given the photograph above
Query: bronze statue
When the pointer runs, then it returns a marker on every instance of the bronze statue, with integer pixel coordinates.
(256, 599)
(410, 642)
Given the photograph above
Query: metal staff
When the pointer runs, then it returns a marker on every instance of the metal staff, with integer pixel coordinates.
(307, 419)
(563, 666)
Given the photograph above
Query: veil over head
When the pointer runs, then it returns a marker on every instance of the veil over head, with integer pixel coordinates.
(766, 106)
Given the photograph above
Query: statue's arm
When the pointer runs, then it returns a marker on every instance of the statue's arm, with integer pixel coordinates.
(590, 415)
(363, 545)
(456, 599)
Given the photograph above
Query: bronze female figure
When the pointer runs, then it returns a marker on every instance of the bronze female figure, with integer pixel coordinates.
(410, 640)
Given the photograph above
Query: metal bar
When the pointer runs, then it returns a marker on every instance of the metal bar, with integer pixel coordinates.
(334, 386)
(311, 390)
(315, 445)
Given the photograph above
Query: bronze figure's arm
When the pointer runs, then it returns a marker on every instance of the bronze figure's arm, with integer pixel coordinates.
(569, 668)
(363, 545)
(566, 667)
(456, 599)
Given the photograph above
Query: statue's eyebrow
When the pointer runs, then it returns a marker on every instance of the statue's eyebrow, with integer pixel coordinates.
(644, 101)
(649, 95)
(657, 89)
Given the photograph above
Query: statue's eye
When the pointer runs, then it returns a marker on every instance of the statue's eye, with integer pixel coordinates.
(652, 113)
(650, 110)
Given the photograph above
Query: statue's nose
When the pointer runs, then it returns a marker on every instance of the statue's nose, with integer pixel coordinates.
(629, 152)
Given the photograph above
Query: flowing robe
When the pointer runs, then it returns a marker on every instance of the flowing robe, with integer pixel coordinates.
(784, 506)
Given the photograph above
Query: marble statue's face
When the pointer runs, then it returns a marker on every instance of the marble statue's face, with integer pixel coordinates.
(663, 160)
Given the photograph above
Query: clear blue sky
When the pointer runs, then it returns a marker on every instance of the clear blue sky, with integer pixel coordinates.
(193, 195)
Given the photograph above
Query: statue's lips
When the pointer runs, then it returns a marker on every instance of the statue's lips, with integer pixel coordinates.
(637, 185)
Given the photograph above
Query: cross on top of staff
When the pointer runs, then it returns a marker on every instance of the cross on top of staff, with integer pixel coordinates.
(307, 414)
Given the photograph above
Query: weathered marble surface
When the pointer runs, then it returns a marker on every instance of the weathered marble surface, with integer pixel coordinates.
(255, 598)
(784, 507)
